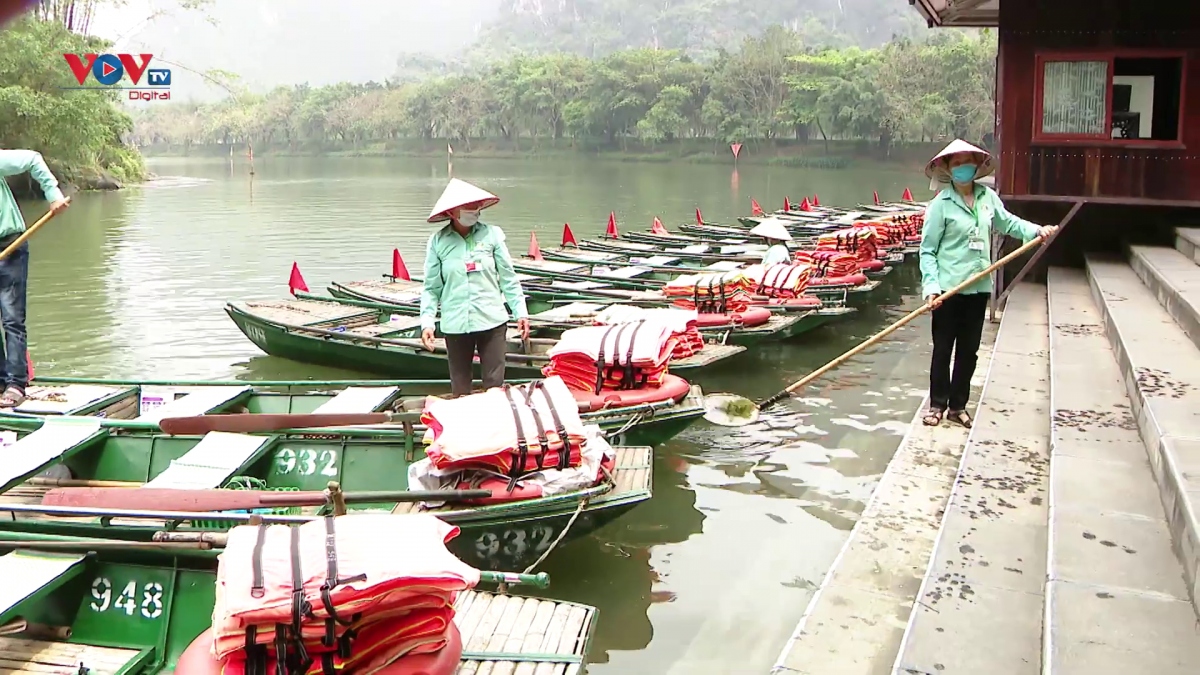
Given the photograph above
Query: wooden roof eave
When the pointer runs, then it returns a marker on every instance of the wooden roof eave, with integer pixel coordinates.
(962, 14)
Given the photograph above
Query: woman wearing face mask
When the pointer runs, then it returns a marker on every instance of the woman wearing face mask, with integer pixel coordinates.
(469, 275)
(956, 244)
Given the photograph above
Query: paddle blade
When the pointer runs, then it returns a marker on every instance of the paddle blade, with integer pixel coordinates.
(730, 410)
(249, 423)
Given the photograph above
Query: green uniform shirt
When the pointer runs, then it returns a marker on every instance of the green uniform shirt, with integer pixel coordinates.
(471, 278)
(14, 163)
(777, 254)
(956, 242)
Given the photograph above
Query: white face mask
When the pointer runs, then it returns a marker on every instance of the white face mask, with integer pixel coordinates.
(468, 218)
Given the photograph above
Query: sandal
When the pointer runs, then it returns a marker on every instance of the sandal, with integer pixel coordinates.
(960, 417)
(12, 398)
(933, 417)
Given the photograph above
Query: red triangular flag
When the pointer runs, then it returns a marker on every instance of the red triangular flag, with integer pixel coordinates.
(755, 209)
(876, 193)
(787, 204)
(296, 281)
(611, 232)
(29, 365)
(568, 237)
(699, 218)
(816, 201)
(657, 227)
(804, 205)
(535, 251)
(399, 270)
(907, 195)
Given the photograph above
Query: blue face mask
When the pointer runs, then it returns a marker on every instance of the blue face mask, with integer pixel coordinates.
(963, 173)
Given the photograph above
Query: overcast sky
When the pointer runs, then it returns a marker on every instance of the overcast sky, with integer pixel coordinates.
(271, 42)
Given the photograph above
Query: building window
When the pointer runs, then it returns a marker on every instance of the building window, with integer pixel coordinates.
(1124, 97)
(1075, 98)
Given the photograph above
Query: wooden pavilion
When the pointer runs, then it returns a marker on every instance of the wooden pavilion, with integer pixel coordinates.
(1097, 116)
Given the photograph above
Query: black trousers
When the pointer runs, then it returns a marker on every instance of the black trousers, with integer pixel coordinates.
(460, 350)
(957, 330)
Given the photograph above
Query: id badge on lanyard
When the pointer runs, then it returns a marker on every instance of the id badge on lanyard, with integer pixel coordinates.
(976, 243)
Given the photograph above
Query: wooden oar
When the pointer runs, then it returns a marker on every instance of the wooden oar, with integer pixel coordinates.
(249, 423)
(731, 410)
(236, 500)
(246, 423)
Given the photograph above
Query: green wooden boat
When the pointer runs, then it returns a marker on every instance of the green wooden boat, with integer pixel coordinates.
(547, 319)
(385, 342)
(544, 295)
(509, 535)
(120, 610)
(143, 401)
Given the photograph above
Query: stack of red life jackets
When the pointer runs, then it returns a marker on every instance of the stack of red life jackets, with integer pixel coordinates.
(351, 594)
(779, 281)
(506, 430)
(830, 265)
(860, 242)
(616, 357)
(682, 322)
(710, 293)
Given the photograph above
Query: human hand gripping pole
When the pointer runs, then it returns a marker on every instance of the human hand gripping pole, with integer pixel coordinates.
(731, 410)
(54, 210)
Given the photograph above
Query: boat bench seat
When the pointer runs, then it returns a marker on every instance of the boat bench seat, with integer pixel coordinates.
(52, 442)
(579, 285)
(26, 574)
(43, 657)
(623, 272)
(551, 265)
(215, 459)
(358, 400)
(570, 311)
(66, 399)
(656, 260)
(198, 402)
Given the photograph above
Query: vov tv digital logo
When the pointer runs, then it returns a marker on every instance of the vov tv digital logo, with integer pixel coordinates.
(109, 70)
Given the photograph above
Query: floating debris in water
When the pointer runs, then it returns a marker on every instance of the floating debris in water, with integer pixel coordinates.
(816, 402)
(872, 393)
(894, 427)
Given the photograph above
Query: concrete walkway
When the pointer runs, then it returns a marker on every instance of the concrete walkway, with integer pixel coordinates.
(856, 620)
(1070, 538)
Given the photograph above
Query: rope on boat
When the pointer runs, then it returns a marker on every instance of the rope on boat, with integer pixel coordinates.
(633, 421)
(565, 530)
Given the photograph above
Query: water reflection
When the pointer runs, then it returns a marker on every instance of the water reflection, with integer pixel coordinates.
(613, 568)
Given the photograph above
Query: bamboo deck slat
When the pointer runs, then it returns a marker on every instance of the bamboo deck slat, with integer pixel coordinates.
(61, 658)
(505, 624)
(302, 311)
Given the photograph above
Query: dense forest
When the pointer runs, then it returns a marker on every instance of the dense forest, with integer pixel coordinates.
(82, 132)
(675, 78)
(597, 28)
(769, 88)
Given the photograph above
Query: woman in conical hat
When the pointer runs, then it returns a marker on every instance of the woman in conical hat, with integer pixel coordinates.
(956, 242)
(469, 275)
(775, 232)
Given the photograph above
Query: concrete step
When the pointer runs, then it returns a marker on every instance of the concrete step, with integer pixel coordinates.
(1160, 367)
(979, 609)
(1187, 242)
(1175, 280)
(1116, 601)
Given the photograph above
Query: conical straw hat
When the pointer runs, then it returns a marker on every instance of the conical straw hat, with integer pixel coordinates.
(461, 193)
(772, 228)
(935, 170)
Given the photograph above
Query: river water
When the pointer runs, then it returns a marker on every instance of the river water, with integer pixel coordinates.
(713, 573)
